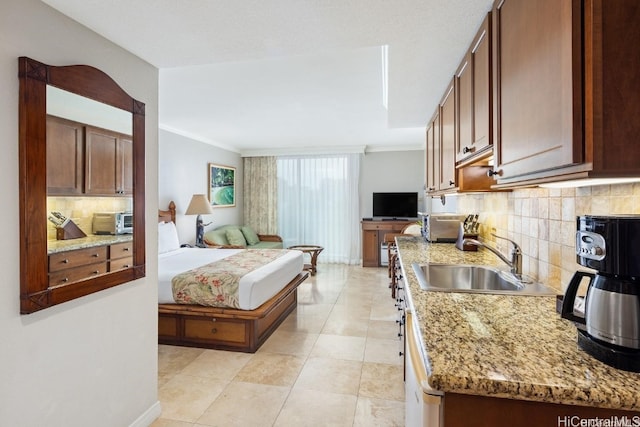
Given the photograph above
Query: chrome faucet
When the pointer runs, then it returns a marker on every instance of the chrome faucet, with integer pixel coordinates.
(515, 263)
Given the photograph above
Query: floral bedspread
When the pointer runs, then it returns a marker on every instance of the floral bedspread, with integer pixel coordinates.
(216, 284)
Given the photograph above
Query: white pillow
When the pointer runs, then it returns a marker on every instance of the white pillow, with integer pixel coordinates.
(167, 237)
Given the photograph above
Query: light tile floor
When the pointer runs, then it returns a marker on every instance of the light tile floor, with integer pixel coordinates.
(333, 362)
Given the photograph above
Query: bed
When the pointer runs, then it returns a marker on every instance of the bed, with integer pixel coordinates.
(265, 297)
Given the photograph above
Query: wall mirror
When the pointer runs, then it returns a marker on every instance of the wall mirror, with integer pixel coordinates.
(81, 136)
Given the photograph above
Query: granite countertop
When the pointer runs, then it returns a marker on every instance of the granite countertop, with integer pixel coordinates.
(55, 246)
(503, 345)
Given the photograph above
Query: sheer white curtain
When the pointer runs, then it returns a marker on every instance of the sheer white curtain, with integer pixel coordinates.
(318, 204)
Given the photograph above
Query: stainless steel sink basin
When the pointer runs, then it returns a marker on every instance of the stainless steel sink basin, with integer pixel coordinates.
(475, 279)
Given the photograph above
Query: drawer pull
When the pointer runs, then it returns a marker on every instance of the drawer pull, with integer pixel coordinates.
(126, 266)
(66, 279)
(214, 319)
(95, 255)
(126, 249)
(65, 261)
(96, 272)
(214, 330)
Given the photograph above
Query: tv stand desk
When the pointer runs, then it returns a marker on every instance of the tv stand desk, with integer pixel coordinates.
(373, 231)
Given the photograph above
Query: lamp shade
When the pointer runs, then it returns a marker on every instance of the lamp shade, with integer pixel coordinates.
(199, 205)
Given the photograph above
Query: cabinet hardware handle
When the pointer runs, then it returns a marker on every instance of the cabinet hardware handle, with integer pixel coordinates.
(452, 182)
(431, 188)
(95, 255)
(96, 272)
(491, 173)
(66, 279)
(126, 249)
(214, 330)
(214, 319)
(65, 261)
(467, 150)
(126, 266)
(400, 354)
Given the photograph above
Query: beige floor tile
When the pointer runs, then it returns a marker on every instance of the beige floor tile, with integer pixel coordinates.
(287, 342)
(339, 347)
(185, 397)
(379, 413)
(388, 312)
(318, 294)
(331, 375)
(382, 381)
(218, 364)
(384, 329)
(315, 310)
(272, 369)
(347, 311)
(308, 408)
(383, 351)
(339, 325)
(173, 359)
(163, 422)
(300, 323)
(244, 404)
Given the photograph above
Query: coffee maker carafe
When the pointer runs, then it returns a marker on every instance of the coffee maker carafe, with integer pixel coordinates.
(610, 328)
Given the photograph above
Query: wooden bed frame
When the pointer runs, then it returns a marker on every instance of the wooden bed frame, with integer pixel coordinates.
(224, 328)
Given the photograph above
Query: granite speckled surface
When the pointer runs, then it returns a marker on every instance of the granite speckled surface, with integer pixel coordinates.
(505, 346)
(91, 241)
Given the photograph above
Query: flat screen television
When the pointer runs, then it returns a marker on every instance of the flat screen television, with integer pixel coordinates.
(395, 205)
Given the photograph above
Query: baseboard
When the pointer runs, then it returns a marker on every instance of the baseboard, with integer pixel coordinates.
(148, 416)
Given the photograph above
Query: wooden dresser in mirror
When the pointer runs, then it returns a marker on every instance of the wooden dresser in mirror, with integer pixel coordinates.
(53, 276)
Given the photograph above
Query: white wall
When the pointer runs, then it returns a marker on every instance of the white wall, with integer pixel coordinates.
(91, 361)
(183, 171)
(390, 171)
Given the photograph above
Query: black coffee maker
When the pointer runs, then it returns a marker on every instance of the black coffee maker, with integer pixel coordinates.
(610, 328)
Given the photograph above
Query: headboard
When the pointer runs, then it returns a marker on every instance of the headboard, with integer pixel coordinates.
(168, 215)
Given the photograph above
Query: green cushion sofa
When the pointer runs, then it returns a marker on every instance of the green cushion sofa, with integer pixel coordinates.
(235, 236)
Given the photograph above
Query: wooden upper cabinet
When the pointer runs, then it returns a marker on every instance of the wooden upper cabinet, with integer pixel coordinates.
(124, 167)
(474, 98)
(565, 89)
(430, 179)
(437, 150)
(482, 84)
(538, 106)
(448, 138)
(109, 166)
(65, 157)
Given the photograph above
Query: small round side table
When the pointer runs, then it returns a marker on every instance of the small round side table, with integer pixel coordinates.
(313, 251)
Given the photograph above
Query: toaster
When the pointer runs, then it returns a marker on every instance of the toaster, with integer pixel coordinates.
(113, 223)
(441, 227)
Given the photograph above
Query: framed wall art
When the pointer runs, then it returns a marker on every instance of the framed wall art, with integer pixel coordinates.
(222, 186)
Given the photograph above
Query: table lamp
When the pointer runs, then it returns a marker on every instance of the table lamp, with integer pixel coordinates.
(199, 205)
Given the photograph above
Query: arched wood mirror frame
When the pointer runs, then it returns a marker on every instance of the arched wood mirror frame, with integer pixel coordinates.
(86, 81)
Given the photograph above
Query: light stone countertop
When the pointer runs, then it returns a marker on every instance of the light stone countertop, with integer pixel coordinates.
(507, 346)
(91, 241)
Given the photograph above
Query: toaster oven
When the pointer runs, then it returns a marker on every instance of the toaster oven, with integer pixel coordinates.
(113, 223)
(441, 227)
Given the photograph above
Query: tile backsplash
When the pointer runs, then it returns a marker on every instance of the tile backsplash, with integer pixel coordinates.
(543, 222)
(81, 210)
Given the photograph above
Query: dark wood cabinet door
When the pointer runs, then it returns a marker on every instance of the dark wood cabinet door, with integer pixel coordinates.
(430, 179)
(538, 85)
(482, 84)
(437, 150)
(65, 157)
(464, 101)
(101, 155)
(370, 248)
(474, 98)
(124, 167)
(448, 139)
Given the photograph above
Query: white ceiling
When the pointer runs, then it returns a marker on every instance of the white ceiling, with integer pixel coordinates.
(267, 76)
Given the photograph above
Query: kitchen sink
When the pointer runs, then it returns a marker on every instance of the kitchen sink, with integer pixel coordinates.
(475, 279)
